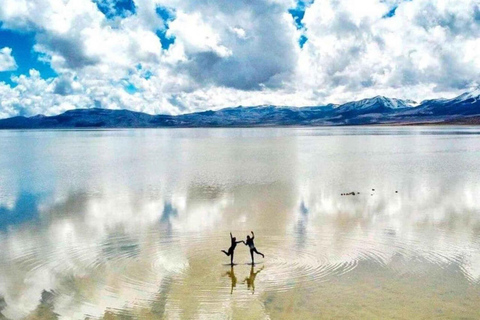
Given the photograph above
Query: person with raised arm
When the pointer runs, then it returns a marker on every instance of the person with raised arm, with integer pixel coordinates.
(231, 250)
(251, 245)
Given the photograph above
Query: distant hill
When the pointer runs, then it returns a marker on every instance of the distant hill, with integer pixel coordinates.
(464, 109)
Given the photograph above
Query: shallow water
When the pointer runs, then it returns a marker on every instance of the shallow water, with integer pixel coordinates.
(130, 223)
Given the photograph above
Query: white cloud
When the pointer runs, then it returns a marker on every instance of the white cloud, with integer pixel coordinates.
(421, 48)
(239, 32)
(197, 36)
(7, 62)
(243, 53)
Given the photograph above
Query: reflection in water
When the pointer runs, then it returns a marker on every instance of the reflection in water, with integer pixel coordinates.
(301, 227)
(132, 225)
(250, 280)
(231, 275)
(24, 209)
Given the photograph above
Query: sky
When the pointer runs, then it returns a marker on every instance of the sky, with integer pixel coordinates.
(180, 56)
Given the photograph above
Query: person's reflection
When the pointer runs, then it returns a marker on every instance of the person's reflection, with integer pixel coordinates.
(251, 279)
(231, 275)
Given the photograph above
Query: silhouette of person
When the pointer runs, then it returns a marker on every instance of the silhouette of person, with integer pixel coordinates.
(251, 245)
(251, 279)
(231, 275)
(231, 250)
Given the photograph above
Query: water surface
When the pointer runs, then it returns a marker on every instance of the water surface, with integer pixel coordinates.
(130, 223)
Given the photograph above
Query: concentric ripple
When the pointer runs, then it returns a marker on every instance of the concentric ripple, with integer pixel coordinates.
(132, 270)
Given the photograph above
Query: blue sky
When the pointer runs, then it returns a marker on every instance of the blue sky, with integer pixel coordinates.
(168, 56)
(116, 8)
(167, 15)
(25, 56)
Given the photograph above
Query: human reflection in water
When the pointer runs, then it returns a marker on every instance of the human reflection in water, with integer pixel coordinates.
(251, 245)
(231, 275)
(251, 279)
(231, 250)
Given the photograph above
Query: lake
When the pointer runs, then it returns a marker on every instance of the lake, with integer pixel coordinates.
(130, 223)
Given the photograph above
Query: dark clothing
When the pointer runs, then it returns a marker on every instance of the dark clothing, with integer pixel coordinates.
(233, 245)
(250, 243)
(231, 250)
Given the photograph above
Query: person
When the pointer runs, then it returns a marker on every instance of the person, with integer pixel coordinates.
(231, 250)
(251, 245)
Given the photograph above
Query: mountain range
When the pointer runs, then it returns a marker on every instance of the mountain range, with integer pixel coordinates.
(464, 109)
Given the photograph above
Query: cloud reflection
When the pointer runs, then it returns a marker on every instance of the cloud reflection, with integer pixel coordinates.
(143, 237)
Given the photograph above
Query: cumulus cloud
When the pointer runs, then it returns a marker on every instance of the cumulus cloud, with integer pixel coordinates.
(7, 62)
(171, 56)
(242, 46)
(420, 47)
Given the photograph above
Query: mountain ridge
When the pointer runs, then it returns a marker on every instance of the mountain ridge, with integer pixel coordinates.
(375, 110)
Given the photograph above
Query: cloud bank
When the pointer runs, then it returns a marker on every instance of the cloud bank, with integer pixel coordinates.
(170, 56)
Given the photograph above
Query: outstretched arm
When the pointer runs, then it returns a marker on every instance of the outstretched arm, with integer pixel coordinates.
(231, 235)
(253, 236)
(258, 271)
(242, 241)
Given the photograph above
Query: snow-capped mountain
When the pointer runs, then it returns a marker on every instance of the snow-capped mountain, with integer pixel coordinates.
(378, 102)
(471, 96)
(466, 104)
(377, 110)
